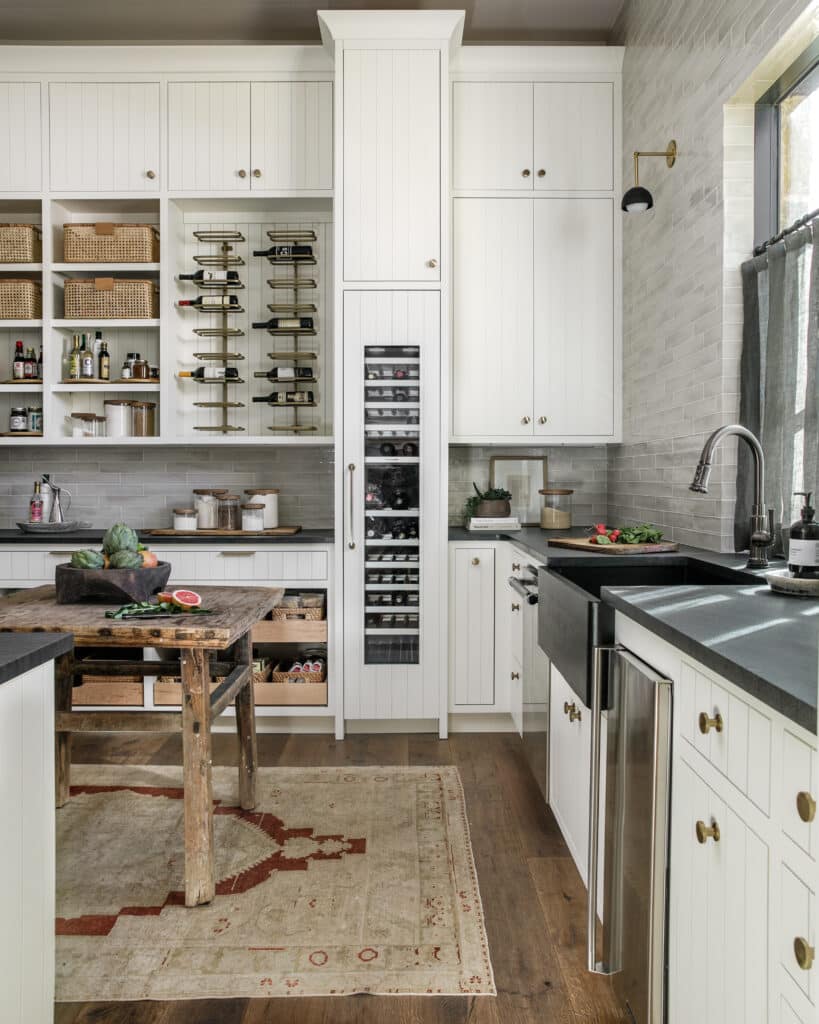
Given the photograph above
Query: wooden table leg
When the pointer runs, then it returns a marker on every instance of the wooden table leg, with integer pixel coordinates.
(196, 751)
(246, 727)
(63, 683)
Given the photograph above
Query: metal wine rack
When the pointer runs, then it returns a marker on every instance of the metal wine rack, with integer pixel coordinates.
(297, 284)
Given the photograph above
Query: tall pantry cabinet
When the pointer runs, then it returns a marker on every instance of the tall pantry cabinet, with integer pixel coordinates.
(392, 73)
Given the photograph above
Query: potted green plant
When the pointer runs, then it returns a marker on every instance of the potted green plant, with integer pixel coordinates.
(492, 503)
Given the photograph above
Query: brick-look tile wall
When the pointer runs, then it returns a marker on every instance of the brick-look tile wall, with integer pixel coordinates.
(684, 60)
(142, 486)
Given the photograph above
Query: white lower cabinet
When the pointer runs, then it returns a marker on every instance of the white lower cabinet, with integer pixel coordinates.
(569, 758)
(471, 626)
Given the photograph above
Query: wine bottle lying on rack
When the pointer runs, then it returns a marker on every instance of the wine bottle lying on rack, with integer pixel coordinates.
(280, 322)
(286, 373)
(211, 373)
(211, 302)
(212, 276)
(286, 398)
(285, 252)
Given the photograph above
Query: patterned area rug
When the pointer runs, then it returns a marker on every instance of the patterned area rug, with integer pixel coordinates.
(343, 880)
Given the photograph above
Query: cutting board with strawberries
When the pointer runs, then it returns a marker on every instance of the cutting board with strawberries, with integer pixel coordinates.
(585, 544)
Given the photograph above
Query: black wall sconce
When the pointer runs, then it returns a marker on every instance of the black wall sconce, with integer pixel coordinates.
(639, 199)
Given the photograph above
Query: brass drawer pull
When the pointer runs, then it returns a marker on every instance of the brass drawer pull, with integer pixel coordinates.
(805, 807)
(515, 607)
(571, 711)
(804, 953)
(704, 832)
(515, 675)
(706, 723)
(476, 561)
(237, 554)
(515, 566)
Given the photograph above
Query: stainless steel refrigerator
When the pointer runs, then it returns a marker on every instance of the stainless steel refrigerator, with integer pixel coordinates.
(632, 703)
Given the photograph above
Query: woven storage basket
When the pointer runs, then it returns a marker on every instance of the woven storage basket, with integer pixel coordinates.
(280, 676)
(303, 614)
(20, 299)
(20, 243)
(110, 243)
(111, 298)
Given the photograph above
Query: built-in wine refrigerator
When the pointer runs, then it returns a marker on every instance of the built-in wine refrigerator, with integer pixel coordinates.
(392, 504)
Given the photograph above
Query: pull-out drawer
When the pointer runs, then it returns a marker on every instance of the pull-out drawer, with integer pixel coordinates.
(798, 793)
(728, 732)
(234, 563)
(797, 931)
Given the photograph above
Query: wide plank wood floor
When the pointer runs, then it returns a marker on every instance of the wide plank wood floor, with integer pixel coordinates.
(533, 898)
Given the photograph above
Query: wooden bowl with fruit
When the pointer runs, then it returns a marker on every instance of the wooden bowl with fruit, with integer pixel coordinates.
(123, 570)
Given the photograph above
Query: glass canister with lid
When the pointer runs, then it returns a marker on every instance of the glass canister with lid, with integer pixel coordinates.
(556, 513)
(229, 512)
(206, 500)
(252, 517)
(184, 519)
(269, 497)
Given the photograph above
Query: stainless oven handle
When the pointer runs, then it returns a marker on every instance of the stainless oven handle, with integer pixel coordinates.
(350, 526)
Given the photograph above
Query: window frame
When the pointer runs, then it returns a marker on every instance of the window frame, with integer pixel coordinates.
(767, 144)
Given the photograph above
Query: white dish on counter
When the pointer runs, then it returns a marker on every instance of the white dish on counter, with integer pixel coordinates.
(784, 583)
(53, 527)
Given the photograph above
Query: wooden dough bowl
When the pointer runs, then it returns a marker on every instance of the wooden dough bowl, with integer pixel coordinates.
(113, 586)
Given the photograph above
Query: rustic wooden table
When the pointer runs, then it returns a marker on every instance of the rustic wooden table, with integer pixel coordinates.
(198, 638)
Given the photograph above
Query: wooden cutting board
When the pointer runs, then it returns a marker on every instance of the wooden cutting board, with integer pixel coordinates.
(276, 531)
(584, 544)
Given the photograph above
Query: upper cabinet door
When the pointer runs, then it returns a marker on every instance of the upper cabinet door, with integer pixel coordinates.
(492, 340)
(20, 145)
(574, 126)
(492, 135)
(104, 136)
(574, 317)
(291, 135)
(392, 165)
(209, 136)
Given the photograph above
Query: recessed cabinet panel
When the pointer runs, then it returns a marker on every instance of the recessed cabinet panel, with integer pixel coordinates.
(493, 325)
(573, 317)
(472, 625)
(292, 135)
(569, 759)
(209, 136)
(492, 135)
(574, 126)
(20, 140)
(392, 167)
(104, 136)
(798, 793)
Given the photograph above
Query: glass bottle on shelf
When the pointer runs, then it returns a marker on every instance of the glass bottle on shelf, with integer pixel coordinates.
(75, 360)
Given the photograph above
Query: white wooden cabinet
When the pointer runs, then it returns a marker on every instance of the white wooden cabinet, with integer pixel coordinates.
(209, 136)
(569, 759)
(392, 165)
(104, 136)
(541, 136)
(471, 626)
(291, 135)
(534, 319)
(20, 137)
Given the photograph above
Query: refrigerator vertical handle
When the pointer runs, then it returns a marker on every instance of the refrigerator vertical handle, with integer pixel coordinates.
(598, 662)
(351, 519)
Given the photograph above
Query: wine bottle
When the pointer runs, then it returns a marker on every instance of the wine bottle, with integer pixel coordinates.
(39, 367)
(28, 365)
(74, 360)
(104, 363)
(285, 252)
(211, 276)
(215, 373)
(280, 323)
(210, 303)
(286, 373)
(286, 398)
(18, 369)
(86, 361)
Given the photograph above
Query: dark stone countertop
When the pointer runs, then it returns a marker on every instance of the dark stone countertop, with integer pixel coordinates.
(21, 652)
(91, 537)
(767, 644)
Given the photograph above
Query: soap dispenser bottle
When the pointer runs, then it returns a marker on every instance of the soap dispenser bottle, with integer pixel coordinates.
(803, 550)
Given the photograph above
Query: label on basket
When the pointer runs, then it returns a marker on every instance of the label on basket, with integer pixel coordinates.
(104, 227)
(104, 284)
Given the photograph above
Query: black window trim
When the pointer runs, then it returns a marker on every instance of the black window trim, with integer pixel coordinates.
(766, 144)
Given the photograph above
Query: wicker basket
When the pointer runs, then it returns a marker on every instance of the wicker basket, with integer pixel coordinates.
(110, 243)
(103, 298)
(305, 614)
(20, 243)
(20, 299)
(278, 675)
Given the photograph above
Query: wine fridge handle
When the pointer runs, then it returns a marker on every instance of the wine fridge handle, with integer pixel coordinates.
(351, 511)
(599, 660)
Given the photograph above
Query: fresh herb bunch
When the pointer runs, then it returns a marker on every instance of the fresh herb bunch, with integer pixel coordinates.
(492, 494)
(644, 533)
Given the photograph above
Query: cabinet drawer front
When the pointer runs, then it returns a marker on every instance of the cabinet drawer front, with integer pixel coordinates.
(797, 922)
(737, 737)
(798, 793)
(231, 564)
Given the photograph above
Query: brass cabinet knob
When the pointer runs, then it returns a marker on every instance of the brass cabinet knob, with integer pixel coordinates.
(256, 172)
(515, 607)
(525, 172)
(541, 173)
(805, 807)
(515, 675)
(705, 832)
(150, 174)
(526, 419)
(804, 953)
(515, 565)
(476, 561)
(541, 420)
(242, 173)
(432, 264)
(707, 724)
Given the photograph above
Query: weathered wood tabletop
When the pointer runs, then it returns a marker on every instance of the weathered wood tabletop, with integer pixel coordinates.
(234, 611)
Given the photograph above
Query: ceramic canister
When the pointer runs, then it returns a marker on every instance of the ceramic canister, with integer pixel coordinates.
(269, 497)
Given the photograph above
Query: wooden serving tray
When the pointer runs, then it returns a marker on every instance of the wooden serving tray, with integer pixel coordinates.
(276, 531)
(584, 544)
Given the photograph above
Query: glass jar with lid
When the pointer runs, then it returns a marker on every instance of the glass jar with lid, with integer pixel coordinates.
(229, 512)
(184, 519)
(206, 500)
(144, 418)
(253, 517)
(269, 497)
(556, 513)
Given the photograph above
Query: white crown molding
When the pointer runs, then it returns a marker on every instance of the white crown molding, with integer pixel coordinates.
(438, 26)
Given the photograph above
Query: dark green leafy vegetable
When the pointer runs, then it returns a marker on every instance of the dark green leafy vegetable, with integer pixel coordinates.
(644, 533)
(149, 608)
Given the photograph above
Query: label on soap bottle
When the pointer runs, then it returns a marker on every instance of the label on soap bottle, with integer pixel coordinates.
(804, 552)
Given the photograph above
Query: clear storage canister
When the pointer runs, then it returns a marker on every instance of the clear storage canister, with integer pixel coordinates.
(206, 500)
(253, 517)
(117, 417)
(269, 497)
(184, 519)
(556, 513)
(144, 421)
(230, 514)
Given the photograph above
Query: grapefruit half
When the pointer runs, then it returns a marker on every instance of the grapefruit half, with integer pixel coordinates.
(186, 598)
